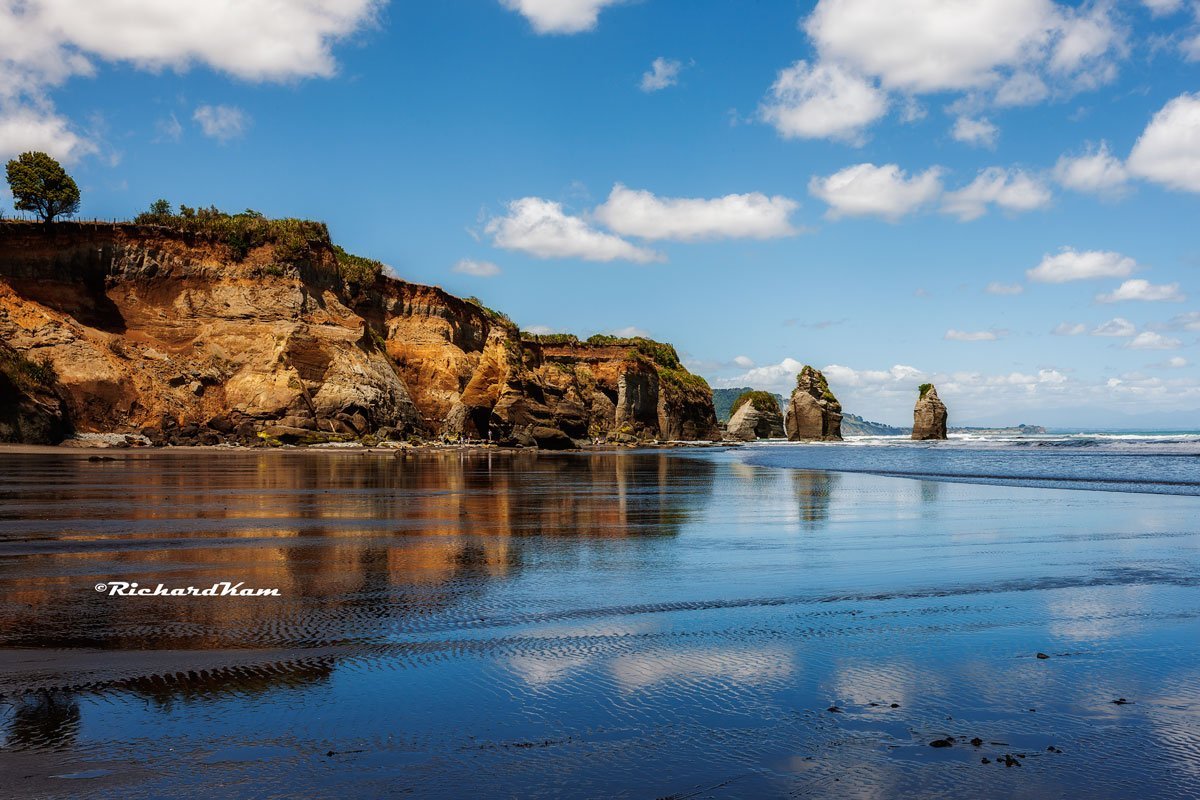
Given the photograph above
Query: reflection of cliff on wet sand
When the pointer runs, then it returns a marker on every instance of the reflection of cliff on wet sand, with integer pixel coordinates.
(352, 541)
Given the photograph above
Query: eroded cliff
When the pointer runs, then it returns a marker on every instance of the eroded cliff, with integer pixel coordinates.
(185, 338)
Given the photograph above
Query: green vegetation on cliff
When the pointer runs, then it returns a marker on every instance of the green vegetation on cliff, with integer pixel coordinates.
(763, 401)
(723, 400)
(357, 270)
(924, 388)
(817, 377)
(293, 239)
(24, 373)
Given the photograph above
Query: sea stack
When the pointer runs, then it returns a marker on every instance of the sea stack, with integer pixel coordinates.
(813, 412)
(929, 416)
(756, 415)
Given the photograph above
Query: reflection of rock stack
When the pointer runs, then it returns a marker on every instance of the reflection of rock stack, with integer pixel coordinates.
(756, 415)
(929, 415)
(813, 412)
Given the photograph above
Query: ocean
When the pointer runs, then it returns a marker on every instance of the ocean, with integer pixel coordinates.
(872, 619)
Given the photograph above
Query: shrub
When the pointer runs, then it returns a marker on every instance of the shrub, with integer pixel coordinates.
(491, 313)
(357, 270)
(550, 338)
(27, 373)
(924, 388)
(293, 239)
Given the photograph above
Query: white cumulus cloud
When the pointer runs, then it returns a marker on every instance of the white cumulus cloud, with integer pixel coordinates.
(1010, 190)
(560, 16)
(632, 212)
(1168, 151)
(1149, 340)
(1117, 326)
(975, 132)
(1188, 322)
(478, 269)
(663, 73)
(869, 190)
(930, 45)
(971, 336)
(1138, 289)
(44, 43)
(1095, 171)
(23, 129)
(222, 123)
(822, 101)
(1069, 264)
(1070, 329)
(542, 229)
(1162, 7)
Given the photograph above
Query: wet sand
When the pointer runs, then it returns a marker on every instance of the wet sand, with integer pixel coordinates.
(604, 625)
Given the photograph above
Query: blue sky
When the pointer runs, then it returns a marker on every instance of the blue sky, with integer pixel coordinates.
(997, 195)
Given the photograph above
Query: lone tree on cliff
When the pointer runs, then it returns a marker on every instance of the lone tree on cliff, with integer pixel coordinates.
(40, 184)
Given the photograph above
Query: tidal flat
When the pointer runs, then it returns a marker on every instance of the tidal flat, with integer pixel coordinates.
(683, 624)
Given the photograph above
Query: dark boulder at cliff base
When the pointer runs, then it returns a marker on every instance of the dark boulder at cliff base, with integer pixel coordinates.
(756, 415)
(813, 413)
(929, 415)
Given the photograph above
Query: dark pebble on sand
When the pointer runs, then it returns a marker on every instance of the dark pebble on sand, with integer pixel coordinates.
(985, 760)
(977, 741)
(1042, 655)
(895, 705)
(947, 742)
(834, 710)
(1053, 749)
(1009, 761)
(1121, 701)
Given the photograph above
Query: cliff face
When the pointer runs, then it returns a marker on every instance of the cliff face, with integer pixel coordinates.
(148, 330)
(929, 415)
(813, 412)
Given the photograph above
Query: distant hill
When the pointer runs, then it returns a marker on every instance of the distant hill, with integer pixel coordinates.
(723, 401)
(854, 425)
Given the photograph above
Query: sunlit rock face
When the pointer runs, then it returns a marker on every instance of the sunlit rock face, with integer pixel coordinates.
(756, 415)
(147, 330)
(929, 415)
(813, 413)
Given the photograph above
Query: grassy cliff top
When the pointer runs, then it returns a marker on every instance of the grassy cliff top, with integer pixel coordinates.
(763, 401)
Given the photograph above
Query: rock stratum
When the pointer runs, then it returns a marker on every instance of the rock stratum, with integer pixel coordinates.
(186, 338)
(929, 414)
(813, 413)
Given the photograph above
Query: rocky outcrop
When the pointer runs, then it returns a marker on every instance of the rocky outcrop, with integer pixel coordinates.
(929, 415)
(184, 338)
(756, 415)
(813, 413)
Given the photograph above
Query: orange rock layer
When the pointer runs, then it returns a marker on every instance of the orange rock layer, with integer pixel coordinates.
(146, 330)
